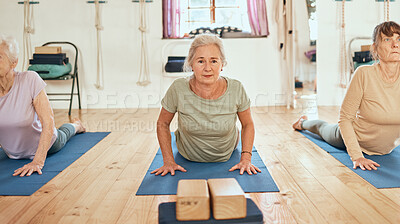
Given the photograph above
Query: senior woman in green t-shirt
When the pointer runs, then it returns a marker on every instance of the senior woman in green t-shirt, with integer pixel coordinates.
(208, 106)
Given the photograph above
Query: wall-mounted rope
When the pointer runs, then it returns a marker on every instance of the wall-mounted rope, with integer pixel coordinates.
(144, 75)
(99, 27)
(386, 10)
(29, 29)
(343, 54)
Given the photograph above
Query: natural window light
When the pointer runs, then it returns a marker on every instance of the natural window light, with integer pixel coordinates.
(213, 13)
(312, 21)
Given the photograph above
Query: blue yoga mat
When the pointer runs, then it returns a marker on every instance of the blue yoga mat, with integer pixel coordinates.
(167, 185)
(55, 163)
(387, 175)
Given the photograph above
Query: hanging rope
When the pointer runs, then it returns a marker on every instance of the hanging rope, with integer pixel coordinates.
(28, 31)
(99, 27)
(144, 75)
(343, 53)
(386, 9)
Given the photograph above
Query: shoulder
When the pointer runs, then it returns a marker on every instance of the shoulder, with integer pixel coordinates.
(180, 85)
(233, 83)
(28, 75)
(181, 81)
(235, 86)
(30, 82)
(365, 72)
(366, 69)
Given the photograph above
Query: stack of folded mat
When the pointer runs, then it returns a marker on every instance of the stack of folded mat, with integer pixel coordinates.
(175, 64)
(50, 62)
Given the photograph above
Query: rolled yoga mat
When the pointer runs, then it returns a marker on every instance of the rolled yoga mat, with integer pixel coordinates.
(167, 185)
(55, 163)
(387, 175)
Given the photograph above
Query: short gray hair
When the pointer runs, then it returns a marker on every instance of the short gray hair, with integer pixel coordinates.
(203, 40)
(12, 49)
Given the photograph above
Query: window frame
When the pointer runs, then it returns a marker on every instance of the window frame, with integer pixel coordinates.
(187, 25)
(212, 9)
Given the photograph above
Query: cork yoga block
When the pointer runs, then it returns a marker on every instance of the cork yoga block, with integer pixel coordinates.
(193, 200)
(227, 199)
(48, 50)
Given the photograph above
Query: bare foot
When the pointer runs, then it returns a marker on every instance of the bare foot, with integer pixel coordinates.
(297, 125)
(78, 125)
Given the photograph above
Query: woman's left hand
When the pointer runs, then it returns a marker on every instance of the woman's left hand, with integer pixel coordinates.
(28, 169)
(245, 165)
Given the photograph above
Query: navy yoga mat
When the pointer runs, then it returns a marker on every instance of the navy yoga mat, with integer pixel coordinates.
(387, 175)
(167, 215)
(167, 185)
(55, 163)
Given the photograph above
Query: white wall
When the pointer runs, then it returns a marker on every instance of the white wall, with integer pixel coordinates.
(253, 61)
(361, 18)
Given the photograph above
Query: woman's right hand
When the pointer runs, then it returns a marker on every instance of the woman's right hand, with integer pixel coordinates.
(168, 168)
(364, 163)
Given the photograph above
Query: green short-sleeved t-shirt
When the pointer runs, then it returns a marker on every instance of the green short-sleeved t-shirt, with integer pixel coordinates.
(207, 129)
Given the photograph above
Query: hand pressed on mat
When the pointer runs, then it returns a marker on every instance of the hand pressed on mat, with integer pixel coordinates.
(245, 165)
(28, 169)
(168, 168)
(364, 163)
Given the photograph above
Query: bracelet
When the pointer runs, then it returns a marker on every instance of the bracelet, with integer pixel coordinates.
(246, 152)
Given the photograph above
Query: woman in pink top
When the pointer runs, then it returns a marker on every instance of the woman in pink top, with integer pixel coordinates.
(27, 128)
(370, 113)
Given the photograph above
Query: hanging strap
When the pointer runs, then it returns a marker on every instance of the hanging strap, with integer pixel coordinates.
(343, 53)
(144, 75)
(28, 31)
(99, 27)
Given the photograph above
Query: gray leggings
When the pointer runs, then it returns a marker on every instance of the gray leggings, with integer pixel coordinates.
(330, 133)
(65, 132)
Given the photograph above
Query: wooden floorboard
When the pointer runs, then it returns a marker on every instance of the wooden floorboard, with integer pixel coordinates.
(100, 187)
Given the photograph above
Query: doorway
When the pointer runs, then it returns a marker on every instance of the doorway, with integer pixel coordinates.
(305, 94)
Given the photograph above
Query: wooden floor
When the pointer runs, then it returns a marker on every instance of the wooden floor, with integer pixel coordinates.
(100, 186)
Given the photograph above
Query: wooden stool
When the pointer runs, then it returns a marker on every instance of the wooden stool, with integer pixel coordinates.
(227, 198)
(193, 200)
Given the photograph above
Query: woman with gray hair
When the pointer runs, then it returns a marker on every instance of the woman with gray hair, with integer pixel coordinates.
(27, 128)
(369, 119)
(208, 106)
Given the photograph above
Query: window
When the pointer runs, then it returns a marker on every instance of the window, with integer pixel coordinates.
(312, 21)
(247, 17)
(213, 13)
